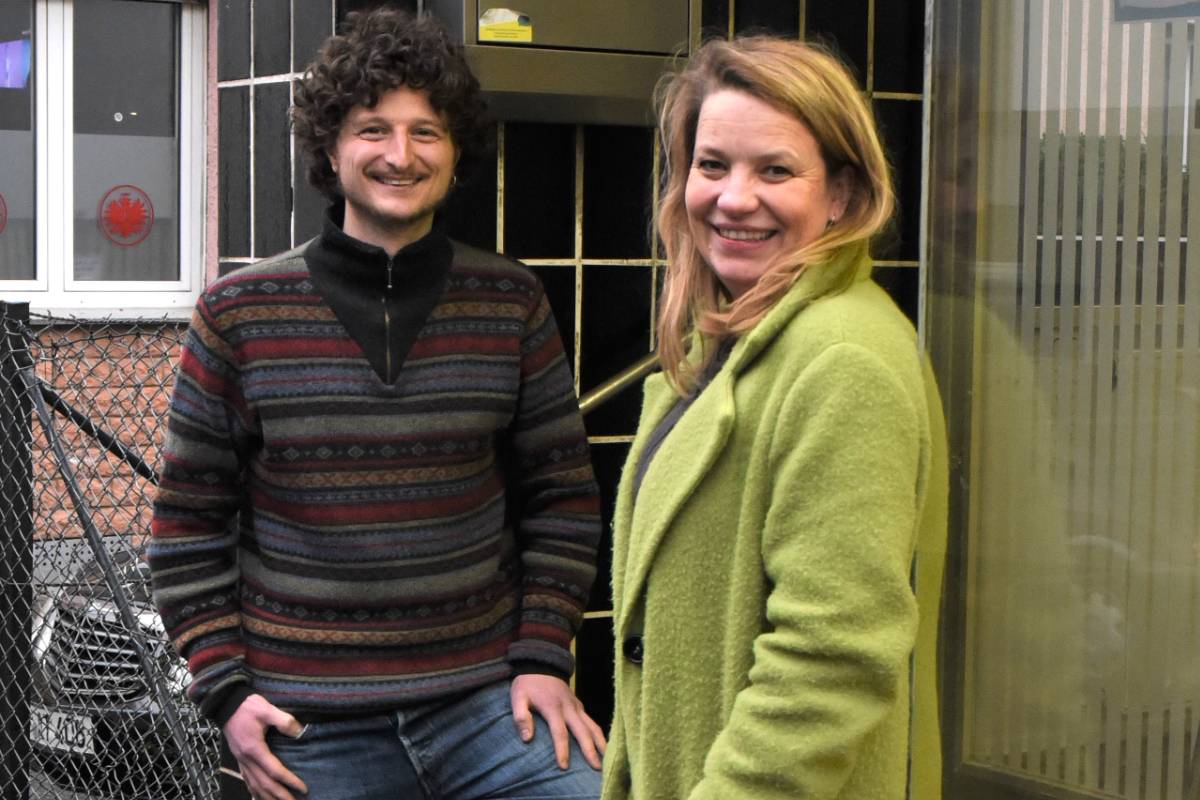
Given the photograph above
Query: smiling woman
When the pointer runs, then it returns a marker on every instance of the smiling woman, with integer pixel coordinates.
(795, 439)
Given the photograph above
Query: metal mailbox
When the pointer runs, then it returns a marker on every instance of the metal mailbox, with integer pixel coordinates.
(581, 61)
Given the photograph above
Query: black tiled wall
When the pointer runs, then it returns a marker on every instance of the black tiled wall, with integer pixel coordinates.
(843, 25)
(899, 56)
(272, 40)
(604, 293)
(233, 40)
(539, 190)
(617, 169)
(272, 170)
(766, 16)
(233, 223)
(312, 21)
(899, 123)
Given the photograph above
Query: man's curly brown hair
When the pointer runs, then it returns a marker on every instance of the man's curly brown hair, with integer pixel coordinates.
(378, 51)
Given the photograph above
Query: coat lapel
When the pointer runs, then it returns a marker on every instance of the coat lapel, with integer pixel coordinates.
(699, 437)
(692, 448)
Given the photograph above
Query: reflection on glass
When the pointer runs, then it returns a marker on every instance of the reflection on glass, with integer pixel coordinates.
(126, 141)
(1084, 572)
(16, 141)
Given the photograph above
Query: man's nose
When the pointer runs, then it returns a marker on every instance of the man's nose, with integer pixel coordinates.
(398, 152)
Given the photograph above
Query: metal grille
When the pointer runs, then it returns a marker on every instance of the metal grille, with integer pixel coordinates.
(91, 657)
(94, 693)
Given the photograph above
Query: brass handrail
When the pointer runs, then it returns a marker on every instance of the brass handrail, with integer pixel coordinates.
(618, 383)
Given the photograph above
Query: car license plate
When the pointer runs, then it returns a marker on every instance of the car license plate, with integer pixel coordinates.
(62, 731)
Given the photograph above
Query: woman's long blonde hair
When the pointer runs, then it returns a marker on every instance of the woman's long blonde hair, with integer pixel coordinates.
(811, 84)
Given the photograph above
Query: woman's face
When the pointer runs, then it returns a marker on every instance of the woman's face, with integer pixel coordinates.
(757, 187)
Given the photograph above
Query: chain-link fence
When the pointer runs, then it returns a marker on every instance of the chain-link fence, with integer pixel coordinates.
(93, 694)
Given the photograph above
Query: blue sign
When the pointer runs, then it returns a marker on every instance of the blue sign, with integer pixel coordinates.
(1153, 10)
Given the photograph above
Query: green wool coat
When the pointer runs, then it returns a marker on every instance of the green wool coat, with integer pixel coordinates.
(768, 565)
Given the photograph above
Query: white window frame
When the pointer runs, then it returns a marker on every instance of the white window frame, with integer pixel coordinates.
(54, 290)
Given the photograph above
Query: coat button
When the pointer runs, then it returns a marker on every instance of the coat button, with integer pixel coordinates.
(633, 649)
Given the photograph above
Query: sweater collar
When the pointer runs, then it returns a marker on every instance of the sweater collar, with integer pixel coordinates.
(365, 266)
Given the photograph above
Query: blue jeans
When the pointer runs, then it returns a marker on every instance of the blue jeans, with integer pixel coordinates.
(466, 748)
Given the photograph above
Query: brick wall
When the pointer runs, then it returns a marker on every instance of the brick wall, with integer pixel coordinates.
(119, 375)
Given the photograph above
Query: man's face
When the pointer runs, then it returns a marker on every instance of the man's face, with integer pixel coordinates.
(394, 164)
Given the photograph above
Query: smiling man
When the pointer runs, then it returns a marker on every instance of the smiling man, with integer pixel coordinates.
(377, 522)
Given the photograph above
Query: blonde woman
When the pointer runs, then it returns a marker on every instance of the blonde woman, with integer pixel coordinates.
(788, 459)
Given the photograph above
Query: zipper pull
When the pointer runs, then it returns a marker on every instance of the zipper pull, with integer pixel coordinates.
(390, 260)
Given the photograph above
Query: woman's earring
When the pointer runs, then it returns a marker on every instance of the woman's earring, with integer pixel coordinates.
(454, 180)
(829, 223)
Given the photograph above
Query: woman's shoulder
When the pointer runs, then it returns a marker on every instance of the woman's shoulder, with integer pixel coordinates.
(863, 315)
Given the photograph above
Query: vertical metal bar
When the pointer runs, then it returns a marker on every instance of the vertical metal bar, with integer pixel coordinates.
(804, 20)
(1019, 677)
(922, 248)
(1169, 603)
(1150, 418)
(1174, 441)
(1081, 768)
(870, 47)
(655, 252)
(981, 711)
(578, 252)
(250, 94)
(1063, 720)
(1122, 572)
(968, 81)
(499, 187)
(1187, 499)
(1103, 385)
(16, 552)
(291, 139)
(732, 11)
(694, 16)
(926, 135)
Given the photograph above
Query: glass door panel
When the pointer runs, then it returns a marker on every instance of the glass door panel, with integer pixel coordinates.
(1078, 650)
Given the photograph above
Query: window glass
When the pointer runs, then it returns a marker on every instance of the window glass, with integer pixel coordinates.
(126, 71)
(1081, 335)
(16, 141)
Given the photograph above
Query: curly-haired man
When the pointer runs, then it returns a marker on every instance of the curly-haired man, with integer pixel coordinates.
(377, 521)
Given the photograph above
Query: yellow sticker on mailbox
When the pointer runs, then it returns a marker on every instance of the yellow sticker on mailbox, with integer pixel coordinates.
(505, 25)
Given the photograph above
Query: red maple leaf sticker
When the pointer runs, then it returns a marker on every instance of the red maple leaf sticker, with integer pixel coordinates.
(126, 216)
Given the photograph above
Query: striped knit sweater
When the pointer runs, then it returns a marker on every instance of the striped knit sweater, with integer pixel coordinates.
(341, 544)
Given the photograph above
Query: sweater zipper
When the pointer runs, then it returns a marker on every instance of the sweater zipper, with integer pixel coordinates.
(387, 325)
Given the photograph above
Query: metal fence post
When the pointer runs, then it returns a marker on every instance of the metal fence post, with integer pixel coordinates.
(16, 552)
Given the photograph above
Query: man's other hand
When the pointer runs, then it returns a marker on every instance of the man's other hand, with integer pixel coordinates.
(553, 699)
(265, 775)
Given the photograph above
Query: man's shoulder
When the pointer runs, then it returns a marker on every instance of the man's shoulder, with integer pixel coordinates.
(479, 261)
(270, 276)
